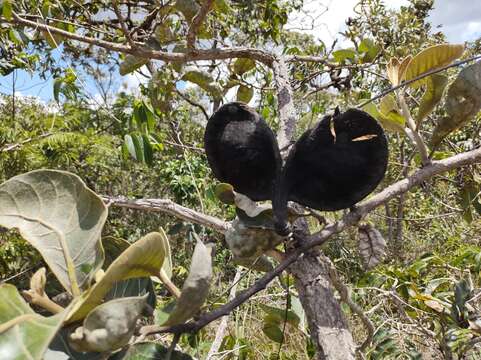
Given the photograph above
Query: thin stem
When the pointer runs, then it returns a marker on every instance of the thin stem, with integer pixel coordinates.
(414, 135)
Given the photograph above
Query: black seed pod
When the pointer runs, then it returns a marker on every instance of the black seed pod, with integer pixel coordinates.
(242, 150)
(333, 165)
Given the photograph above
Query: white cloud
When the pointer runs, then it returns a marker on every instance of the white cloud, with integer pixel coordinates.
(131, 82)
(460, 20)
(324, 19)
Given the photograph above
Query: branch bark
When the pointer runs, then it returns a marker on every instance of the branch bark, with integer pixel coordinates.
(287, 113)
(169, 207)
(197, 22)
(142, 50)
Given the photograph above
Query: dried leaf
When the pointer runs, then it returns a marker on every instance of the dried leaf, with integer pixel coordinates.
(332, 128)
(372, 246)
(109, 326)
(396, 69)
(433, 304)
(463, 102)
(365, 137)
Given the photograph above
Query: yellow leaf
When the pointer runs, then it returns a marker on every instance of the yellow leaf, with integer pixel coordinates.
(432, 58)
(434, 305)
(143, 258)
(396, 69)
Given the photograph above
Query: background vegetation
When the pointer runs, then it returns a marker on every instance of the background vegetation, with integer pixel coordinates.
(422, 299)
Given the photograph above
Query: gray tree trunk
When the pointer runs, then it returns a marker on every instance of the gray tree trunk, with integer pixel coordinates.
(329, 329)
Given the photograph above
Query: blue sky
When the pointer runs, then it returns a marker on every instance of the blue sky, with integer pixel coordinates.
(460, 20)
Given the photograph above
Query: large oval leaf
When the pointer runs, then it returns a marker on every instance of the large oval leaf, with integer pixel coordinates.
(432, 58)
(24, 334)
(243, 65)
(143, 258)
(244, 93)
(56, 212)
(435, 85)
(463, 102)
(196, 286)
(109, 326)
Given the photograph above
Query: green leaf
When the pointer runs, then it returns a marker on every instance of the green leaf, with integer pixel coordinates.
(131, 63)
(369, 49)
(225, 193)
(133, 287)
(463, 102)
(272, 330)
(109, 326)
(129, 146)
(343, 55)
(204, 80)
(195, 288)
(432, 58)
(280, 315)
(143, 258)
(435, 85)
(469, 196)
(391, 118)
(7, 9)
(138, 142)
(113, 247)
(243, 65)
(23, 333)
(244, 93)
(251, 239)
(56, 212)
(148, 150)
(188, 8)
(387, 114)
(57, 84)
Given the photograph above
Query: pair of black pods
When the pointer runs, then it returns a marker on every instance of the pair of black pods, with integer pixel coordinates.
(332, 166)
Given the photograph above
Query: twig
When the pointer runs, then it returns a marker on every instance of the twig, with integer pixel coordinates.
(43, 301)
(414, 134)
(169, 207)
(183, 146)
(123, 26)
(197, 22)
(402, 186)
(422, 76)
(219, 334)
(193, 103)
(145, 52)
(174, 290)
(344, 292)
(11, 147)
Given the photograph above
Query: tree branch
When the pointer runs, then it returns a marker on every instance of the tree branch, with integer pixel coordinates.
(193, 103)
(197, 22)
(345, 294)
(11, 147)
(169, 207)
(143, 51)
(287, 114)
(400, 187)
(123, 26)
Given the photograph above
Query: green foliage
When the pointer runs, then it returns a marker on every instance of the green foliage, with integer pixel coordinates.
(64, 208)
